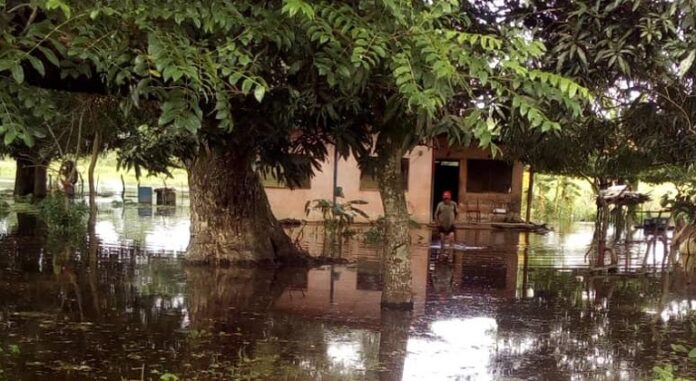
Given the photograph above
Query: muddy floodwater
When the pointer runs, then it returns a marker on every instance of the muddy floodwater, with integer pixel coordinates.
(508, 306)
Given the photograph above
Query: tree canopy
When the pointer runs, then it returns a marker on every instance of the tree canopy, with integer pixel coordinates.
(637, 58)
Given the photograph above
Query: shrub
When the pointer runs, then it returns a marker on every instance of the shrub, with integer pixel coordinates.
(61, 215)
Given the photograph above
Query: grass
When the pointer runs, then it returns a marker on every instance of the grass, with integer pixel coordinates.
(108, 178)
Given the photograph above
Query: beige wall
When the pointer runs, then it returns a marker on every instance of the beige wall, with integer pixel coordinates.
(290, 203)
(484, 201)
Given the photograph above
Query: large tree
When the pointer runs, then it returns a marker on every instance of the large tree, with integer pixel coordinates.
(418, 70)
(248, 84)
(227, 77)
(637, 57)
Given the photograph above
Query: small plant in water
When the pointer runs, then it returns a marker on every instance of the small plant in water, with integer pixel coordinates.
(169, 377)
(14, 350)
(60, 214)
(669, 372)
(337, 217)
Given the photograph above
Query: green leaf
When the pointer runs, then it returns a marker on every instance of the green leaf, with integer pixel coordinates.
(18, 73)
(37, 65)
(190, 122)
(28, 139)
(235, 77)
(692, 354)
(50, 56)
(679, 348)
(247, 85)
(686, 63)
(14, 349)
(169, 377)
(259, 92)
(58, 4)
(293, 7)
(10, 137)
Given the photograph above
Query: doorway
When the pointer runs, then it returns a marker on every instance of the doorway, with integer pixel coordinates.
(445, 178)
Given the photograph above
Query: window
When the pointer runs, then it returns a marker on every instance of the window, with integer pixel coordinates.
(369, 183)
(488, 176)
(269, 180)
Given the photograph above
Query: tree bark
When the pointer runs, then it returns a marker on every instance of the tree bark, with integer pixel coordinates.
(231, 219)
(30, 178)
(96, 144)
(393, 344)
(530, 195)
(24, 178)
(40, 179)
(397, 292)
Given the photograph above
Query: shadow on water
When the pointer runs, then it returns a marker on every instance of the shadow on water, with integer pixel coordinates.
(507, 306)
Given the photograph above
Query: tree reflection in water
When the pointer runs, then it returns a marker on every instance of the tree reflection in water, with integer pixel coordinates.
(78, 313)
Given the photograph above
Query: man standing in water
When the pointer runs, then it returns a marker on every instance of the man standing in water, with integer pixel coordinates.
(446, 214)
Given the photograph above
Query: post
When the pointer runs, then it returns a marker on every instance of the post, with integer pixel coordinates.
(530, 195)
(123, 190)
(335, 173)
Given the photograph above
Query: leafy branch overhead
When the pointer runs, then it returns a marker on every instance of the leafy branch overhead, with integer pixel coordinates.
(437, 68)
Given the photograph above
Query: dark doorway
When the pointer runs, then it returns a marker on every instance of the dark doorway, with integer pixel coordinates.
(445, 178)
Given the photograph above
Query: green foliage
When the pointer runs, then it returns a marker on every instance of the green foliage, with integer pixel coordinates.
(666, 373)
(625, 52)
(336, 216)
(433, 74)
(561, 199)
(61, 215)
(14, 350)
(670, 372)
(683, 203)
(169, 377)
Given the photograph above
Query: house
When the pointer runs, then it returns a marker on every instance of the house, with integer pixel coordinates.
(485, 188)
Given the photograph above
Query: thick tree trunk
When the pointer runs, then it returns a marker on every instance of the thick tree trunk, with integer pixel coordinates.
(397, 259)
(393, 344)
(30, 179)
(24, 178)
(231, 219)
(40, 180)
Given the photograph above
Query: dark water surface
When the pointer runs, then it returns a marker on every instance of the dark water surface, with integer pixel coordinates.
(513, 307)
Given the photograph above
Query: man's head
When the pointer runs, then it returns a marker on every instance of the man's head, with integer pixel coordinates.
(446, 196)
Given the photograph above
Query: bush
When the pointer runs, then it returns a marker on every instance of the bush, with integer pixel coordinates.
(61, 215)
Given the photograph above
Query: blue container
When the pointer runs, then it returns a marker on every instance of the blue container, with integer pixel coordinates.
(145, 211)
(145, 195)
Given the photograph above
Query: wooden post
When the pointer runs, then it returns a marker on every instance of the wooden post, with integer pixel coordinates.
(123, 190)
(530, 195)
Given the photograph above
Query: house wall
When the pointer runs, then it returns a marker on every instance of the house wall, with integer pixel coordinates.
(288, 203)
(485, 202)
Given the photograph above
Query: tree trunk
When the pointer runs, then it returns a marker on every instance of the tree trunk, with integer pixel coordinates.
(397, 260)
(96, 144)
(530, 195)
(393, 344)
(40, 178)
(231, 219)
(24, 178)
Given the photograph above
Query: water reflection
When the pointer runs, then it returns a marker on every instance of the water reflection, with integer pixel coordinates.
(515, 309)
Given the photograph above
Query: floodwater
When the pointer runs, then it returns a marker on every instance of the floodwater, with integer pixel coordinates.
(510, 306)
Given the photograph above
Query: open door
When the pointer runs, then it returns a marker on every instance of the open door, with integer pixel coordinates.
(445, 178)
